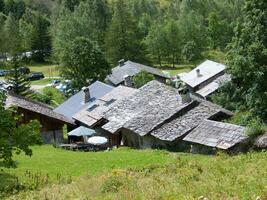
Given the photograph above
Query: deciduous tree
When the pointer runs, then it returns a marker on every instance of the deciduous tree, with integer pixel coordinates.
(248, 57)
(14, 136)
(84, 63)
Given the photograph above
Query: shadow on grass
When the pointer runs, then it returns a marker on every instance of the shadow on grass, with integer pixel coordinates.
(7, 181)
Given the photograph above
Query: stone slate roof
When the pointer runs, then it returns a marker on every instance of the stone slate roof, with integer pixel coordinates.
(187, 120)
(208, 69)
(131, 68)
(217, 134)
(145, 110)
(76, 103)
(214, 85)
(37, 107)
(92, 115)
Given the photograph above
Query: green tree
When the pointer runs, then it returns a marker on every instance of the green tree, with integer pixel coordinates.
(89, 20)
(15, 138)
(26, 34)
(84, 63)
(142, 78)
(193, 34)
(219, 32)
(174, 41)
(71, 4)
(41, 40)
(123, 37)
(2, 6)
(156, 43)
(12, 36)
(247, 58)
(18, 80)
(16, 8)
(214, 30)
(2, 34)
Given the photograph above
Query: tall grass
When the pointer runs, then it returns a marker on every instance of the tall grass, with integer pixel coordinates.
(186, 177)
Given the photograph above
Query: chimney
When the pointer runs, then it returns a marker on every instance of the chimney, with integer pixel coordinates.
(87, 96)
(128, 81)
(121, 62)
(198, 72)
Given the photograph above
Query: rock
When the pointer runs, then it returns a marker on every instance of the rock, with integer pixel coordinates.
(261, 142)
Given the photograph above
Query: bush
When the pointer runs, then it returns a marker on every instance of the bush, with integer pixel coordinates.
(255, 128)
(55, 95)
(50, 96)
(142, 78)
(41, 98)
(241, 118)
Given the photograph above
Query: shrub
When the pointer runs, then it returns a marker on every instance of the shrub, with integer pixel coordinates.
(255, 128)
(55, 95)
(50, 96)
(142, 78)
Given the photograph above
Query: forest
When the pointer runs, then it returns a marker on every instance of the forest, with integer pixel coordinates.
(151, 31)
(162, 33)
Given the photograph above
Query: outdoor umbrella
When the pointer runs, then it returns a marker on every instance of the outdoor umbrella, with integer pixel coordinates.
(97, 140)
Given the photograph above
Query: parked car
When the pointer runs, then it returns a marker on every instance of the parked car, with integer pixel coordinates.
(4, 72)
(54, 83)
(35, 76)
(5, 86)
(24, 70)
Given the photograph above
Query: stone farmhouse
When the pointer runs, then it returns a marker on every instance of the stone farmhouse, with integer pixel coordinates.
(158, 116)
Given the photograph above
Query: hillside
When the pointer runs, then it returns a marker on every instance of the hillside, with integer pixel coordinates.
(135, 174)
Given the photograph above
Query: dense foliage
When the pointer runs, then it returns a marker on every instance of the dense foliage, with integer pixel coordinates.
(15, 137)
(142, 78)
(50, 96)
(247, 59)
(84, 63)
(161, 31)
(17, 80)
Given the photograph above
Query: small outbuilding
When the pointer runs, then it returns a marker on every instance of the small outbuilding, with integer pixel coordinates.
(52, 123)
(127, 69)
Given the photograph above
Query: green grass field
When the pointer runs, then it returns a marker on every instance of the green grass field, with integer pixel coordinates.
(136, 174)
(49, 70)
(177, 69)
(42, 81)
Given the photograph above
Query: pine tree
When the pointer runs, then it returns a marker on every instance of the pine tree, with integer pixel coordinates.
(41, 40)
(2, 5)
(18, 80)
(12, 36)
(123, 37)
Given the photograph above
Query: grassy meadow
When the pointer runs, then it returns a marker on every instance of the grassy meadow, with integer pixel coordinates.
(49, 70)
(135, 174)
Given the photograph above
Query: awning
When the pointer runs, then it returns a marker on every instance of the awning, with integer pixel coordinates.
(82, 131)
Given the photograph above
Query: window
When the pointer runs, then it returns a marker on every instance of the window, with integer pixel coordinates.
(92, 107)
(110, 102)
